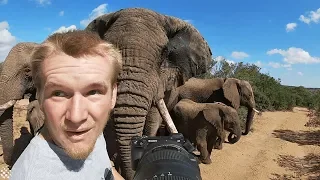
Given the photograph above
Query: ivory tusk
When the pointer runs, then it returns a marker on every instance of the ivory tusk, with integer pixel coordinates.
(7, 105)
(256, 110)
(166, 116)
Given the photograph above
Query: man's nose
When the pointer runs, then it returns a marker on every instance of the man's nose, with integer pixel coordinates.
(77, 111)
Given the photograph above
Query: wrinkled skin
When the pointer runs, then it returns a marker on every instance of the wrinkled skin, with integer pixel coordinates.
(230, 91)
(154, 119)
(204, 124)
(148, 42)
(15, 82)
(35, 117)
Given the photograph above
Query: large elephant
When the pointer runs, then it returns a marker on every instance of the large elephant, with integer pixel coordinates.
(15, 82)
(149, 42)
(230, 91)
(204, 124)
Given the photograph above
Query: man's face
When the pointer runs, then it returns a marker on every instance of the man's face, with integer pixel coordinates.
(78, 97)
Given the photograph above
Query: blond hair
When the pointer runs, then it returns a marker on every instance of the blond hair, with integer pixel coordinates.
(77, 43)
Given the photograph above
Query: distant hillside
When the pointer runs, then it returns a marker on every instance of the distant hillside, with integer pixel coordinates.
(310, 89)
(313, 89)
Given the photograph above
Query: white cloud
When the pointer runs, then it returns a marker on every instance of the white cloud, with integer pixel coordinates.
(291, 27)
(313, 16)
(274, 64)
(4, 25)
(230, 61)
(65, 29)
(98, 11)
(43, 2)
(7, 41)
(300, 73)
(287, 66)
(279, 65)
(295, 55)
(220, 58)
(258, 63)
(3, 1)
(61, 13)
(239, 55)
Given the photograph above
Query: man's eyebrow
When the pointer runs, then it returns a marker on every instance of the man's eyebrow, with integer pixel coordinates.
(51, 85)
(99, 84)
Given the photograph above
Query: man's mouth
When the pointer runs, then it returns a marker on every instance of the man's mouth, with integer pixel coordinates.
(77, 134)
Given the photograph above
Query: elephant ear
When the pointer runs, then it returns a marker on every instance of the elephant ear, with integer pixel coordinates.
(231, 91)
(185, 49)
(212, 116)
(102, 23)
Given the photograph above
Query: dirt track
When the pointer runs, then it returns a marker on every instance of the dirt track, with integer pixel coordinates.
(280, 147)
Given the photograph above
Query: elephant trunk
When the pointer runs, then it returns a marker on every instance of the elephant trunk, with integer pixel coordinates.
(12, 88)
(250, 116)
(135, 95)
(6, 134)
(235, 135)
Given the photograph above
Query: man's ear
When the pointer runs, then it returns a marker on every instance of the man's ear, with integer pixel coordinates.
(114, 94)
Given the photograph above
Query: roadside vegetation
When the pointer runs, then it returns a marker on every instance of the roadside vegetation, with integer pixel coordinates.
(270, 95)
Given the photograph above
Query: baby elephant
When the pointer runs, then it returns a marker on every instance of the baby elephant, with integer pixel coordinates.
(204, 124)
(35, 117)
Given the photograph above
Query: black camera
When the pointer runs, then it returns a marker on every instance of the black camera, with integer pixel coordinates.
(164, 157)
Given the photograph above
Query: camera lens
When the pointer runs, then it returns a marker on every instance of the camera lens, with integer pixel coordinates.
(167, 160)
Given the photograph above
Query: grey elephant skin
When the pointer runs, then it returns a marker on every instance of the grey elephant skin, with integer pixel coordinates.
(230, 91)
(204, 124)
(149, 42)
(15, 81)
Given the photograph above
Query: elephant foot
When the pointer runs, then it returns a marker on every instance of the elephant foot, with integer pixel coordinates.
(206, 160)
(218, 146)
(245, 133)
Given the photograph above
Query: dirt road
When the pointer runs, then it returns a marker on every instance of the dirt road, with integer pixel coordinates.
(280, 147)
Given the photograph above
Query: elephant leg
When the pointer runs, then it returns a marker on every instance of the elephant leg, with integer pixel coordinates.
(210, 142)
(162, 131)
(153, 122)
(6, 134)
(220, 139)
(201, 141)
(250, 116)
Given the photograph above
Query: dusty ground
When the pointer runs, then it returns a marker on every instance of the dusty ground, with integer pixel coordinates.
(280, 147)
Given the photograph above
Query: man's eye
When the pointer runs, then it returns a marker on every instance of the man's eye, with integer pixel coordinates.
(93, 92)
(58, 93)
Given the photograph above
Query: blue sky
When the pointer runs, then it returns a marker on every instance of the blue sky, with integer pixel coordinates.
(282, 37)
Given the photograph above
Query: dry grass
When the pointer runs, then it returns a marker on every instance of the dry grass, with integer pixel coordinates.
(307, 167)
(314, 119)
(301, 137)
